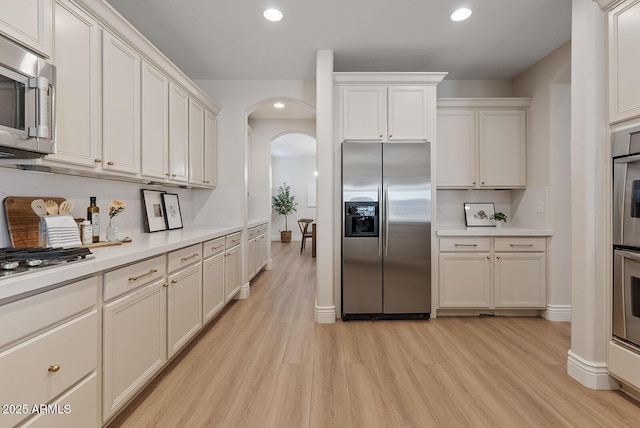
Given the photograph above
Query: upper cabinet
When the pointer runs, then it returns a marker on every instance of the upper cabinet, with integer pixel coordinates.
(154, 117)
(482, 143)
(28, 22)
(210, 149)
(624, 61)
(386, 107)
(196, 143)
(178, 133)
(385, 113)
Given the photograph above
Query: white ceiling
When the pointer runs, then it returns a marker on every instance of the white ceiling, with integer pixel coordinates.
(229, 39)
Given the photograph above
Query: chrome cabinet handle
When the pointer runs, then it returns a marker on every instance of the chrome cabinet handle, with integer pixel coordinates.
(135, 278)
(184, 259)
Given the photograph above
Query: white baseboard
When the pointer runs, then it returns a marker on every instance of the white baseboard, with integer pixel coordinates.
(557, 313)
(325, 314)
(244, 293)
(591, 374)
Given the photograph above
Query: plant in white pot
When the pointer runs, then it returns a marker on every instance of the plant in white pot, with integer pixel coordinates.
(499, 218)
(284, 204)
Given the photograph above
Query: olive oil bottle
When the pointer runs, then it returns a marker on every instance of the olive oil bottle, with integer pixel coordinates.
(93, 215)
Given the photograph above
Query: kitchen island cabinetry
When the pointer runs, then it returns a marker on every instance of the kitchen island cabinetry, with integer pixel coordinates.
(492, 273)
(184, 297)
(28, 22)
(134, 330)
(49, 348)
(624, 62)
(482, 143)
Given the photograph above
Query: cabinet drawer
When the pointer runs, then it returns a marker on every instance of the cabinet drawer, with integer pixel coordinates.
(233, 240)
(129, 278)
(263, 228)
(213, 247)
(465, 244)
(520, 244)
(253, 232)
(29, 316)
(184, 257)
(43, 367)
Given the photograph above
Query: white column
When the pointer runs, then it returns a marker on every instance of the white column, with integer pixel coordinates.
(325, 309)
(590, 199)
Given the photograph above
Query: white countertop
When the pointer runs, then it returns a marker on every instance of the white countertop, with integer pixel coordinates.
(256, 221)
(144, 245)
(492, 231)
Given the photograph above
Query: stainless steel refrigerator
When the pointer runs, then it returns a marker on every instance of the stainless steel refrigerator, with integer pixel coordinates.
(386, 230)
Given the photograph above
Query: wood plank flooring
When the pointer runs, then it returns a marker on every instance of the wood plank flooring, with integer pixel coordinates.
(265, 363)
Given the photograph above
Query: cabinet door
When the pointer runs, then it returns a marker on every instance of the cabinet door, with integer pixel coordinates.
(233, 272)
(178, 133)
(252, 257)
(465, 280)
(196, 143)
(456, 142)
(407, 113)
(210, 149)
(29, 23)
(184, 307)
(154, 115)
(121, 106)
(364, 113)
(134, 349)
(213, 286)
(520, 280)
(76, 57)
(502, 148)
(624, 62)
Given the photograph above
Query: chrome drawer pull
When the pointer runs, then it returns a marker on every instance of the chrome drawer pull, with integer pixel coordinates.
(54, 368)
(522, 245)
(466, 245)
(135, 278)
(184, 259)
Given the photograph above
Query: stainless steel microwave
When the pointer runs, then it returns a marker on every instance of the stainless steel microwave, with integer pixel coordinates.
(27, 103)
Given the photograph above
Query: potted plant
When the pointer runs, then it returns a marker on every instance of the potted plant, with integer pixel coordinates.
(284, 204)
(499, 218)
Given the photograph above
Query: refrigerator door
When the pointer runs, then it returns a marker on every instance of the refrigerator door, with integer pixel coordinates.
(406, 226)
(361, 256)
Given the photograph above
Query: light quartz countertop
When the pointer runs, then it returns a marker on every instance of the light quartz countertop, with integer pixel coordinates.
(491, 231)
(256, 221)
(144, 245)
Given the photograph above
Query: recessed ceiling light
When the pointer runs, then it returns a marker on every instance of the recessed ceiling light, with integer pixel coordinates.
(273, 15)
(279, 105)
(461, 14)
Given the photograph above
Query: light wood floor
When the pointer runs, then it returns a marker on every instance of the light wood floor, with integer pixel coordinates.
(265, 363)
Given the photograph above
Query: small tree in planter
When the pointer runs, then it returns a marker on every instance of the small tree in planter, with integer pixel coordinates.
(284, 204)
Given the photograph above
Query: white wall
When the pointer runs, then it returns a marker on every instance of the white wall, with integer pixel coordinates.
(297, 173)
(475, 88)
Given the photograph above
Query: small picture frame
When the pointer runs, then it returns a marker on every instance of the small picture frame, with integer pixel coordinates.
(172, 212)
(479, 214)
(154, 218)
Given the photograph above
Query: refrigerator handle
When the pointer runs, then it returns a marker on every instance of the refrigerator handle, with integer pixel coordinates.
(379, 234)
(386, 219)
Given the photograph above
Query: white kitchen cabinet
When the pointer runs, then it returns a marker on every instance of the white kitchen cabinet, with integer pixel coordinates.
(196, 143)
(178, 134)
(76, 55)
(213, 291)
(624, 62)
(210, 149)
(233, 265)
(385, 113)
(134, 343)
(121, 106)
(492, 273)
(28, 22)
(252, 247)
(482, 143)
(154, 117)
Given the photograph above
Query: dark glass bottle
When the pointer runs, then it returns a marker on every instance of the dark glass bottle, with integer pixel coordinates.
(93, 215)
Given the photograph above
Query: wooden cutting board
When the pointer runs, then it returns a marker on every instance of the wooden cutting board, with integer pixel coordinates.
(22, 222)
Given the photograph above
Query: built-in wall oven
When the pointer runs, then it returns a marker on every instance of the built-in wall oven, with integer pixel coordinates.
(626, 237)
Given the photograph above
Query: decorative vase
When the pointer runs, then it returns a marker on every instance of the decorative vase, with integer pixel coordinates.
(285, 236)
(112, 231)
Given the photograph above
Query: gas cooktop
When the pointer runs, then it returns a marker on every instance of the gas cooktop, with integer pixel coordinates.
(21, 260)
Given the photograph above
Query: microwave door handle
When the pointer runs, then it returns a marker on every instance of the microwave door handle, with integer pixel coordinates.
(628, 254)
(41, 86)
(627, 159)
(379, 234)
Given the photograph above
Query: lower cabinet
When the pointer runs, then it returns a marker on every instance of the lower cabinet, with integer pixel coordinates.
(233, 272)
(134, 337)
(213, 293)
(184, 307)
(492, 273)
